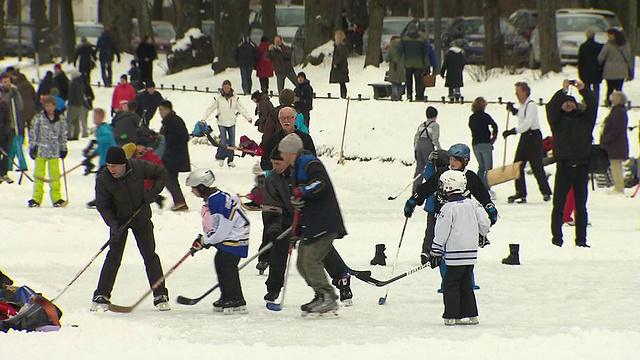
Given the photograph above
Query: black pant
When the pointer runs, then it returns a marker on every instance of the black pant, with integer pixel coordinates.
(264, 85)
(6, 144)
(612, 85)
(174, 188)
(306, 115)
(530, 150)
(459, 299)
(343, 90)
(226, 265)
(429, 232)
(146, 71)
(414, 74)
(566, 177)
(107, 74)
(595, 87)
(147, 247)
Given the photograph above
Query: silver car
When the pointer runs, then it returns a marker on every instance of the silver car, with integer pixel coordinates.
(391, 26)
(570, 31)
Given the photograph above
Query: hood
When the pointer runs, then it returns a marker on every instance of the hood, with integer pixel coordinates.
(226, 95)
(455, 49)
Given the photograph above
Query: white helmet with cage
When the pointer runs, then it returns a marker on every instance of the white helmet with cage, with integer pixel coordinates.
(453, 182)
(202, 177)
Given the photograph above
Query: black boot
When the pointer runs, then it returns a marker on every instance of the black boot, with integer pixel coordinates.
(514, 257)
(380, 257)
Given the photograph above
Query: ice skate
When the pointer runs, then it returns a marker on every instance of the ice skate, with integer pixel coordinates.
(100, 303)
(162, 302)
(472, 320)
(517, 198)
(326, 307)
(344, 286)
(271, 296)
(217, 306)
(234, 307)
(449, 322)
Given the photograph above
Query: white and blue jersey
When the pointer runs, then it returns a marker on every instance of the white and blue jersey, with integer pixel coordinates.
(225, 224)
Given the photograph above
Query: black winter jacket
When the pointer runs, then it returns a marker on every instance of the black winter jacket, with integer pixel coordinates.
(479, 123)
(77, 91)
(307, 144)
(304, 92)
(277, 211)
(589, 68)
(176, 151)
(572, 132)
(62, 83)
(125, 127)
(108, 47)
(117, 199)
(85, 53)
(246, 54)
(148, 102)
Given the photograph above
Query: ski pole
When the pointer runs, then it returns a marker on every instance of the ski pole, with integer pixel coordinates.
(383, 300)
(121, 229)
(405, 188)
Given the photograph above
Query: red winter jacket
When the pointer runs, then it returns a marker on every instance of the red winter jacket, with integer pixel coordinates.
(122, 92)
(149, 155)
(264, 68)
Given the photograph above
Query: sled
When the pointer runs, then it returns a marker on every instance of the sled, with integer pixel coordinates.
(504, 174)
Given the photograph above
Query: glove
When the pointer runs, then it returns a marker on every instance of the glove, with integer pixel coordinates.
(273, 232)
(433, 156)
(434, 260)
(512, 108)
(424, 258)
(493, 138)
(296, 199)
(509, 132)
(33, 152)
(492, 212)
(483, 241)
(63, 154)
(408, 207)
(198, 244)
(114, 234)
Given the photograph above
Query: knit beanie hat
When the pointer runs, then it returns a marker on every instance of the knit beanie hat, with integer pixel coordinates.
(275, 154)
(116, 155)
(129, 149)
(291, 144)
(432, 112)
(287, 96)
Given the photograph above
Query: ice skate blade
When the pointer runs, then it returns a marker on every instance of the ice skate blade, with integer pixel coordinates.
(347, 302)
(217, 309)
(467, 321)
(99, 307)
(331, 314)
(164, 306)
(235, 310)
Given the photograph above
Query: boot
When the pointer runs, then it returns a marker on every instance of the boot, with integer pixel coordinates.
(380, 257)
(344, 286)
(513, 258)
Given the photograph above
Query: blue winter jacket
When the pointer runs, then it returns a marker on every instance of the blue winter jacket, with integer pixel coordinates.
(104, 136)
(429, 205)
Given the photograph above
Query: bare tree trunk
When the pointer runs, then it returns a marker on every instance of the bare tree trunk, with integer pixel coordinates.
(117, 15)
(54, 28)
(228, 33)
(41, 21)
(376, 15)
(269, 18)
(144, 21)
(13, 11)
(318, 23)
(188, 16)
(157, 10)
(67, 30)
(399, 7)
(550, 57)
(494, 41)
(628, 11)
(2, 2)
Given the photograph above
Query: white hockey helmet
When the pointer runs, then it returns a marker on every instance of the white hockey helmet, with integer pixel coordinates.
(453, 182)
(202, 177)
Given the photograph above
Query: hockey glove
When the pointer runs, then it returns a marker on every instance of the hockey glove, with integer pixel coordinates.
(409, 206)
(492, 212)
(512, 108)
(296, 199)
(424, 259)
(434, 260)
(33, 152)
(199, 244)
(509, 132)
(483, 241)
(433, 156)
(63, 154)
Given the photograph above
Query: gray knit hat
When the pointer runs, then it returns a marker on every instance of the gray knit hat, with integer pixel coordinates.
(290, 144)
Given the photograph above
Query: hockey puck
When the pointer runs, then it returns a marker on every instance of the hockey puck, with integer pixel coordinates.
(382, 301)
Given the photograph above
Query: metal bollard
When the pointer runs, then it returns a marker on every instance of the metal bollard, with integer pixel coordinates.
(500, 100)
(444, 100)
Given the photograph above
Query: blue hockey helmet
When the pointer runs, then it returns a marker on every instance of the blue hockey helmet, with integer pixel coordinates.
(460, 151)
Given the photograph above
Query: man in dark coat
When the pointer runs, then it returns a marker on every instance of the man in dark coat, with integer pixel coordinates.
(287, 118)
(272, 123)
(263, 109)
(76, 109)
(146, 53)
(86, 54)
(176, 152)
(246, 55)
(280, 54)
(62, 81)
(571, 128)
(315, 200)
(416, 60)
(121, 197)
(589, 69)
(452, 68)
(108, 47)
(304, 97)
(126, 124)
(148, 102)
(47, 83)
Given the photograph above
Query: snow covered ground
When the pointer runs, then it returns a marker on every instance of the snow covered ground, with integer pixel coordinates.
(561, 303)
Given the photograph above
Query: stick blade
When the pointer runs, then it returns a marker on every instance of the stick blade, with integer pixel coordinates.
(120, 309)
(390, 198)
(274, 306)
(186, 301)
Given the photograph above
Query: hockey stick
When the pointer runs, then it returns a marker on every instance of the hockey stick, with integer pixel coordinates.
(635, 192)
(64, 174)
(383, 300)
(278, 306)
(121, 230)
(189, 301)
(22, 172)
(366, 276)
(405, 188)
(344, 132)
(128, 309)
(259, 151)
(66, 186)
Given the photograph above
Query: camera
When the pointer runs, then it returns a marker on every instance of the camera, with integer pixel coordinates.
(573, 82)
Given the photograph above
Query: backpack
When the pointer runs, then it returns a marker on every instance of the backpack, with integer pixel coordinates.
(599, 160)
(39, 314)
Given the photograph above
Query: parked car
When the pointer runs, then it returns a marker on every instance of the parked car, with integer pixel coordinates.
(391, 26)
(163, 34)
(89, 30)
(208, 28)
(524, 20)
(444, 24)
(12, 43)
(288, 19)
(570, 30)
(609, 16)
(471, 31)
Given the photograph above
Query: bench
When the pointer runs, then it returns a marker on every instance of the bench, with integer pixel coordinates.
(381, 90)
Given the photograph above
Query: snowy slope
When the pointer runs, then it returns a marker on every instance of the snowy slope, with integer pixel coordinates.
(561, 303)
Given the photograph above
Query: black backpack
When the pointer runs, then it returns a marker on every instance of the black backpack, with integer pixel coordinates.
(599, 160)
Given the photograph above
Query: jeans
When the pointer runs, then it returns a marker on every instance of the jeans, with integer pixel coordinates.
(396, 91)
(227, 138)
(484, 155)
(17, 150)
(245, 75)
(76, 118)
(289, 75)
(107, 74)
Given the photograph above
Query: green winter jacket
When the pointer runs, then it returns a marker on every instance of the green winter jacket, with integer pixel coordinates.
(414, 51)
(396, 63)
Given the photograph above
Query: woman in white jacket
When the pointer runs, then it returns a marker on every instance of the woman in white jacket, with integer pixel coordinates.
(227, 106)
